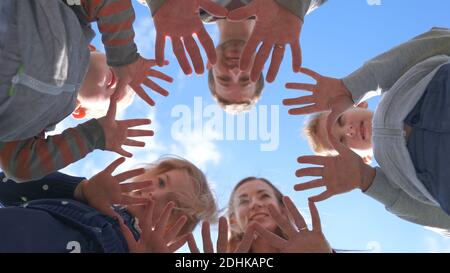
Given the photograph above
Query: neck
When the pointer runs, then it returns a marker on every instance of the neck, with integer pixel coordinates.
(235, 30)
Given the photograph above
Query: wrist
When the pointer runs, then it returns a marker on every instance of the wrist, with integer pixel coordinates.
(367, 177)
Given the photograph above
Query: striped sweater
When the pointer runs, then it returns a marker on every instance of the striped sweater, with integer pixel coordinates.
(36, 157)
(115, 22)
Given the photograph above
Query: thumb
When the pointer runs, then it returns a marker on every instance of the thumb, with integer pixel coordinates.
(112, 109)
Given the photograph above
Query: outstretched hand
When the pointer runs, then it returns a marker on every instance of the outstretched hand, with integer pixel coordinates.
(136, 74)
(179, 20)
(275, 27)
(339, 174)
(222, 239)
(105, 189)
(299, 238)
(117, 132)
(155, 236)
(327, 94)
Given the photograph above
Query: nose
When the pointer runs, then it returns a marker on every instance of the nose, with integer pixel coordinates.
(350, 130)
(255, 203)
(235, 71)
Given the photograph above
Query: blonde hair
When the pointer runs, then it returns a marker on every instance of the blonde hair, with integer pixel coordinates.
(198, 204)
(319, 144)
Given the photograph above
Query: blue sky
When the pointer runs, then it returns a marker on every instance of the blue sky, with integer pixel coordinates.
(336, 39)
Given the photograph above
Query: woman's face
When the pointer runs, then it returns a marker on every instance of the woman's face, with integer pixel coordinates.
(161, 191)
(251, 201)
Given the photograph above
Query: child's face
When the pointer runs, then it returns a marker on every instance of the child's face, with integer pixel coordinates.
(353, 128)
(162, 188)
(251, 201)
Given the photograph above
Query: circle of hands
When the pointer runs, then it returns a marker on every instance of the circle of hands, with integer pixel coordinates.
(275, 27)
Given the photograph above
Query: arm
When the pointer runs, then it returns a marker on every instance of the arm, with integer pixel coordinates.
(154, 5)
(115, 22)
(301, 7)
(384, 70)
(402, 205)
(36, 157)
(55, 185)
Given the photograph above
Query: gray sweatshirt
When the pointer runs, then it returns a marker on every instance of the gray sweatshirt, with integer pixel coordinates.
(401, 75)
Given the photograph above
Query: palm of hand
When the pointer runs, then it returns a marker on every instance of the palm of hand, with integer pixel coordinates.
(178, 19)
(308, 242)
(276, 23)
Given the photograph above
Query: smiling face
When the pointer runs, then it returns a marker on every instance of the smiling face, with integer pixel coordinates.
(162, 190)
(353, 128)
(230, 83)
(250, 204)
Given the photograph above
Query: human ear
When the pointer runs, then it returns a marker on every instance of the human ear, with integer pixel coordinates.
(363, 104)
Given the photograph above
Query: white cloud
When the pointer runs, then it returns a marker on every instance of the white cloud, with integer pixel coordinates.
(374, 2)
(435, 245)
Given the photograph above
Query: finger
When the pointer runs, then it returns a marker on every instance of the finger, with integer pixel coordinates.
(299, 101)
(129, 174)
(143, 95)
(260, 60)
(159, 48)
(315, 217)
(120, 91)
(324, 195)
(208, 45)
(222, 239)
(159, 75)
(133, 186)
(134, 143)
(243, 13)
(300, 86)
(296, 56)
(273, 239)
(282, 221)
(148, 223)
(164, 217)
(132, 201)
(206, 235)
(194, 53)
(277, 58)
(249, 50)
(134, 122)
(129, 237)
(213, 8)
(296, 215)
(113, 166)
(310, 185)
(310, 73)
(312, 171)
(108, 210)
(305, 110)
(172, 233)
(192, 244)
(312, 159)
(139, 133)
(122, 152)
(111, 114)
(178, 243)
(178, 50)
(155, 87)
(247, 240)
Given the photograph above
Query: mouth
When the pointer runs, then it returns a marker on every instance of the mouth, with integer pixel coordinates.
(258, 215)
(112, 80)
(362, 130)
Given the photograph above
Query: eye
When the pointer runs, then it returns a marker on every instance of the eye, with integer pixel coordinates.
(265, 195)
(340, 121)
(161, 183)
(243, 201)
(244, 79)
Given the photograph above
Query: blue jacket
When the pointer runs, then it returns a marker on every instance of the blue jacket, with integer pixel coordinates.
(42, 216)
